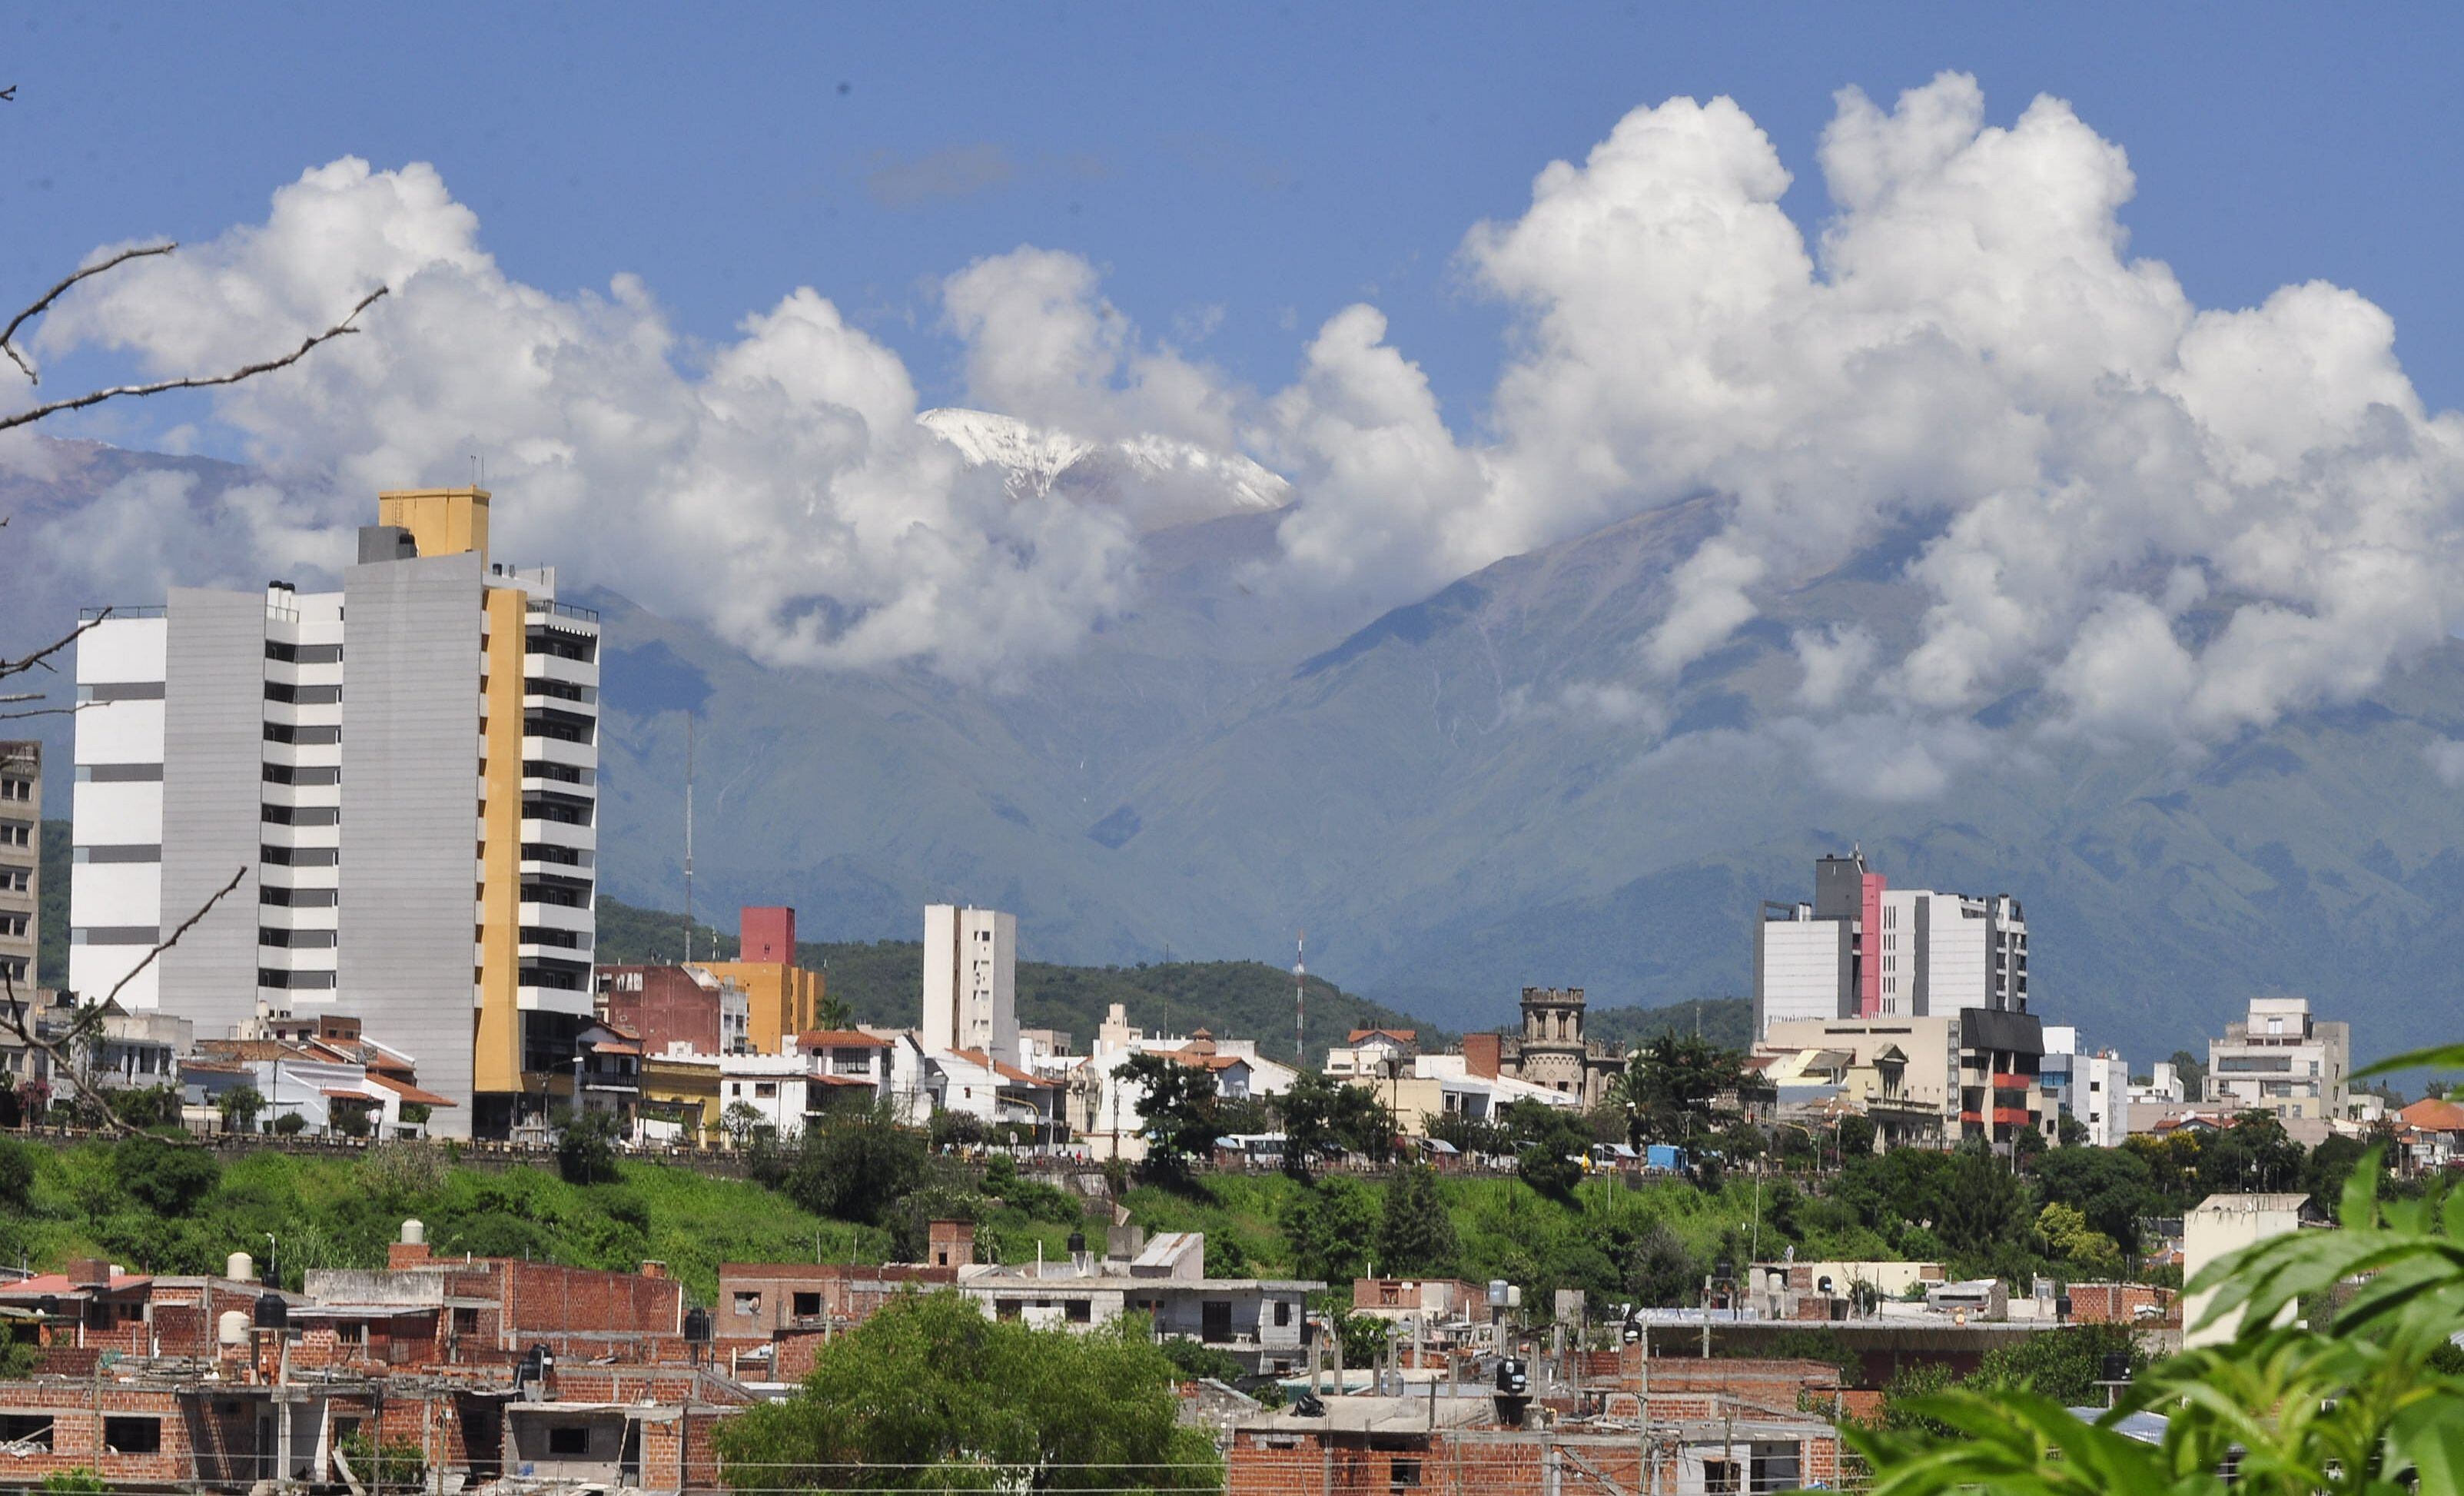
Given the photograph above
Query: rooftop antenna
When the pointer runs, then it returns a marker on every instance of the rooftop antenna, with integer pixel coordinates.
(1300, 999)
(689, 789)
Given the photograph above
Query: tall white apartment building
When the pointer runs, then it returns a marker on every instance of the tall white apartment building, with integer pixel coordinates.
(2279, 1059)
(971, 981)
(402, 773)
(1864, 949)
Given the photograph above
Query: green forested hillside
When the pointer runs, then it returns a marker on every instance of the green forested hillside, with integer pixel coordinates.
(1726, 1021)
(882, 982)
(52, 952)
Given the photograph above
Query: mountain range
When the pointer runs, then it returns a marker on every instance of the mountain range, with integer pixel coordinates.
(1465, 796)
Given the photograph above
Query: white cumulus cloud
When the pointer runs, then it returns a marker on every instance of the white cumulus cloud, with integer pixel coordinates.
(776, 487)
(1966, 352)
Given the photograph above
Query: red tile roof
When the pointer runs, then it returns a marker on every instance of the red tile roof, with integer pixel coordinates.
(408, 1092)
(2431, 1115)
(840, 1039)
(57, 1283)
(1006, 1071)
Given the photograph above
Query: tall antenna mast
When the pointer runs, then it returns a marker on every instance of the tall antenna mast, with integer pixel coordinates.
(688, 788)
(1300, 999)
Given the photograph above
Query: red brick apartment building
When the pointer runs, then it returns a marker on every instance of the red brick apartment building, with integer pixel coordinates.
(486, 1366)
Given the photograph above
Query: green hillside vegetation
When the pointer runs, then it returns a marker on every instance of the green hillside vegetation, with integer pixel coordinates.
(52, 949)
(882, 982)
(1726, 1021)
(158, 1206)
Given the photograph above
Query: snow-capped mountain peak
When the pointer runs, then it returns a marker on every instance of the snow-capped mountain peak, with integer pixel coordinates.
(1160, 481)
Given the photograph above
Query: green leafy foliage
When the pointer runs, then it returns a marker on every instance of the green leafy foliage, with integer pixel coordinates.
(1549, 1148)
(585, 1147)
(1670, 1089)
(168, 1179)
(1332, 1227)
(1179, 1110)
(1323, 1118)
(930, 1394)
(240, 1107)
(2292, 1409)
(856, 1165)
(1414, 1233)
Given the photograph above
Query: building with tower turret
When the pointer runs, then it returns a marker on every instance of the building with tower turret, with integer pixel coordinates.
(1549, 1050)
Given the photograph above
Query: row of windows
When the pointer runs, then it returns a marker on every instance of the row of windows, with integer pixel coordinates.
(307, 737)
(295, 939)
(302, 695)
(297, 898)
(294, 981)
(303, 653)
(301, 814)
(301, 856)
(311, 774)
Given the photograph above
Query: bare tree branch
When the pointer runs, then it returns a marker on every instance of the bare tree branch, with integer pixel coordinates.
(173, 938)
(195, 381)
(9, 334)
(72, 1054)
(42, 657)
(9, 93)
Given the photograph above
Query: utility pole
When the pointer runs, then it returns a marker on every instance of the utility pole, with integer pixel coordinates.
(1300, 1001)
(689, 809)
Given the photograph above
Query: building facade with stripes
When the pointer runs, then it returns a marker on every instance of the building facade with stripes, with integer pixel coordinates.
(398, 783)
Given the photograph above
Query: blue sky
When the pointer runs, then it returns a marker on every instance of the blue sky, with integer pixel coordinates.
(1239, 173)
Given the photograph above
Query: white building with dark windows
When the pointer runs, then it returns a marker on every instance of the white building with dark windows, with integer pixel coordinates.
(971, 981)
(1863, 949)
(21, 862)
(2280, 1059)
(402, 778)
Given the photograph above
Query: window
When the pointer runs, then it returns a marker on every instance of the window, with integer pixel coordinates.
(747, 1302)
(17, 789)
(1214, 1319)
(133, 1435)
(1078, 1311)
(13, 880)
(765, 1090)
(807, 1305)
(26, 1429)
(1403, 1474)
(1283, 1314)
(1006, 1308)
(569, 1440)
(15, 833)
(466, 1321)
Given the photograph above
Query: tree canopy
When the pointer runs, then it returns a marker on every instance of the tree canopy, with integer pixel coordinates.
(1176, 1102)
(930, 1394)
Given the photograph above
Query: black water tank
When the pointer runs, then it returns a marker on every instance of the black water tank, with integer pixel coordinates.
(1513, 1377)
(272, 1312)
(698, 1325)
(2116, 1367)
(1077, 1242)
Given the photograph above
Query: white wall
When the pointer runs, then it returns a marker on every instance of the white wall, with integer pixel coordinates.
(1800, 969)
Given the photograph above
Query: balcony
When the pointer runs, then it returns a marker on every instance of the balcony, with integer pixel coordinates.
(2013, 1082)
(556, 667)
(2013, 1116)
(558, 750)
(558, 833)
(557, 917)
